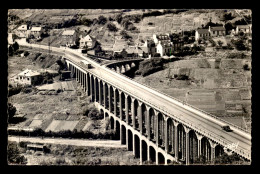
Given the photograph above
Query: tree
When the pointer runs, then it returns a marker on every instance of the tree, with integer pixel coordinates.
(118, 18)
(227, 17)
(229, 26)
(11, 50)
(11, 111)
(126, 23)
(112, 27)
(212, 25)
(220, 43)
(241, 22)
(15, 46)
(239, 44)
(14, 155)
(14, 36)
(125, 34)
(86, 22)
(102, 20)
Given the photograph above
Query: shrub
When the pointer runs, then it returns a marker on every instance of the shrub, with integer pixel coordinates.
(11, 111)
(236, 55)
(239, 44)
(229, 46)
(14, 154)
(181, 77)
(102, 20)
(26, 90)
(23, 144)
(150, 66)
(246, 67)
(14, 90)
(26, 53)
(112, 27)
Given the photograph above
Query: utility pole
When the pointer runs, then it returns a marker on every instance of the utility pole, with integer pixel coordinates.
(49, 43)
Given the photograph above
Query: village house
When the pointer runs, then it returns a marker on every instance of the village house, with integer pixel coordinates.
(244, 29)
(88, 41)
(162, 45)
(202, 33)
(142, 52)
(210, 32)
(161, 37)
(150, 45)
(23, 31)
(164, 48)
(217, 31)
(28, 77)
(69, 38)
(36, 32)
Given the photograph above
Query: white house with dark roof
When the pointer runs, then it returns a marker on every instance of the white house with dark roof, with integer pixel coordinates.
(160, 37)
(202, 33)
(164, 48)
(28, 77)
(23, 31)
(244, 28)
(88, 41)
(217, 31)
(69, 38)
(36, 32)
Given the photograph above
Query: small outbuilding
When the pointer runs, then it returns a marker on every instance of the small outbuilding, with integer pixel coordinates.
(28, 77)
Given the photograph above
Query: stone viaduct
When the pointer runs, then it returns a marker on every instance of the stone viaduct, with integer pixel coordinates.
(149, 133)
(162, 130)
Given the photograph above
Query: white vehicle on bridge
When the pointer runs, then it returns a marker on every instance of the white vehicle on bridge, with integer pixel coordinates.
(86, 63)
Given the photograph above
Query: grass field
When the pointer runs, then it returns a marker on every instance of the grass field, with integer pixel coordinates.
(74, 155)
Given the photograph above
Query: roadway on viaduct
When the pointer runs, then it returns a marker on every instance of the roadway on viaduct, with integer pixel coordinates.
(193, 118)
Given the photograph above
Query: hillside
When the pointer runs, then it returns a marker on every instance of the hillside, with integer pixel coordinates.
(222, 88)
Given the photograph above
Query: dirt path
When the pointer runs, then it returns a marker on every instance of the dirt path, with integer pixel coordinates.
(74, 142)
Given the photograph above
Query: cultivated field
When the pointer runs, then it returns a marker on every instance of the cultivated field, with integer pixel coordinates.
(223, 89)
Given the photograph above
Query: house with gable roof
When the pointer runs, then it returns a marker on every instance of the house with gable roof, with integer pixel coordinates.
(217, 31)
(28, 77)
(69, 38)
(244, 28)
(88, 41)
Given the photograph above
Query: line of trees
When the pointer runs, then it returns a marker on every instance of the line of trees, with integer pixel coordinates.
(38, 132)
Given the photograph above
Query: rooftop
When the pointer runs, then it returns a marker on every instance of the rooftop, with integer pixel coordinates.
(203, 31)
(22, 27)
(243, 26)
(36, 29)
(163, 37)
(68, 32)
(29, 73)
(88, 38)
(165, 43)
(220, 28)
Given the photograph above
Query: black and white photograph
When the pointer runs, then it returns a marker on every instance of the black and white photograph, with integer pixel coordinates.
(129, 87)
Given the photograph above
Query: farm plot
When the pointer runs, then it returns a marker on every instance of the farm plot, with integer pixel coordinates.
(58, 85)
(36, 123)
(58, 125)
